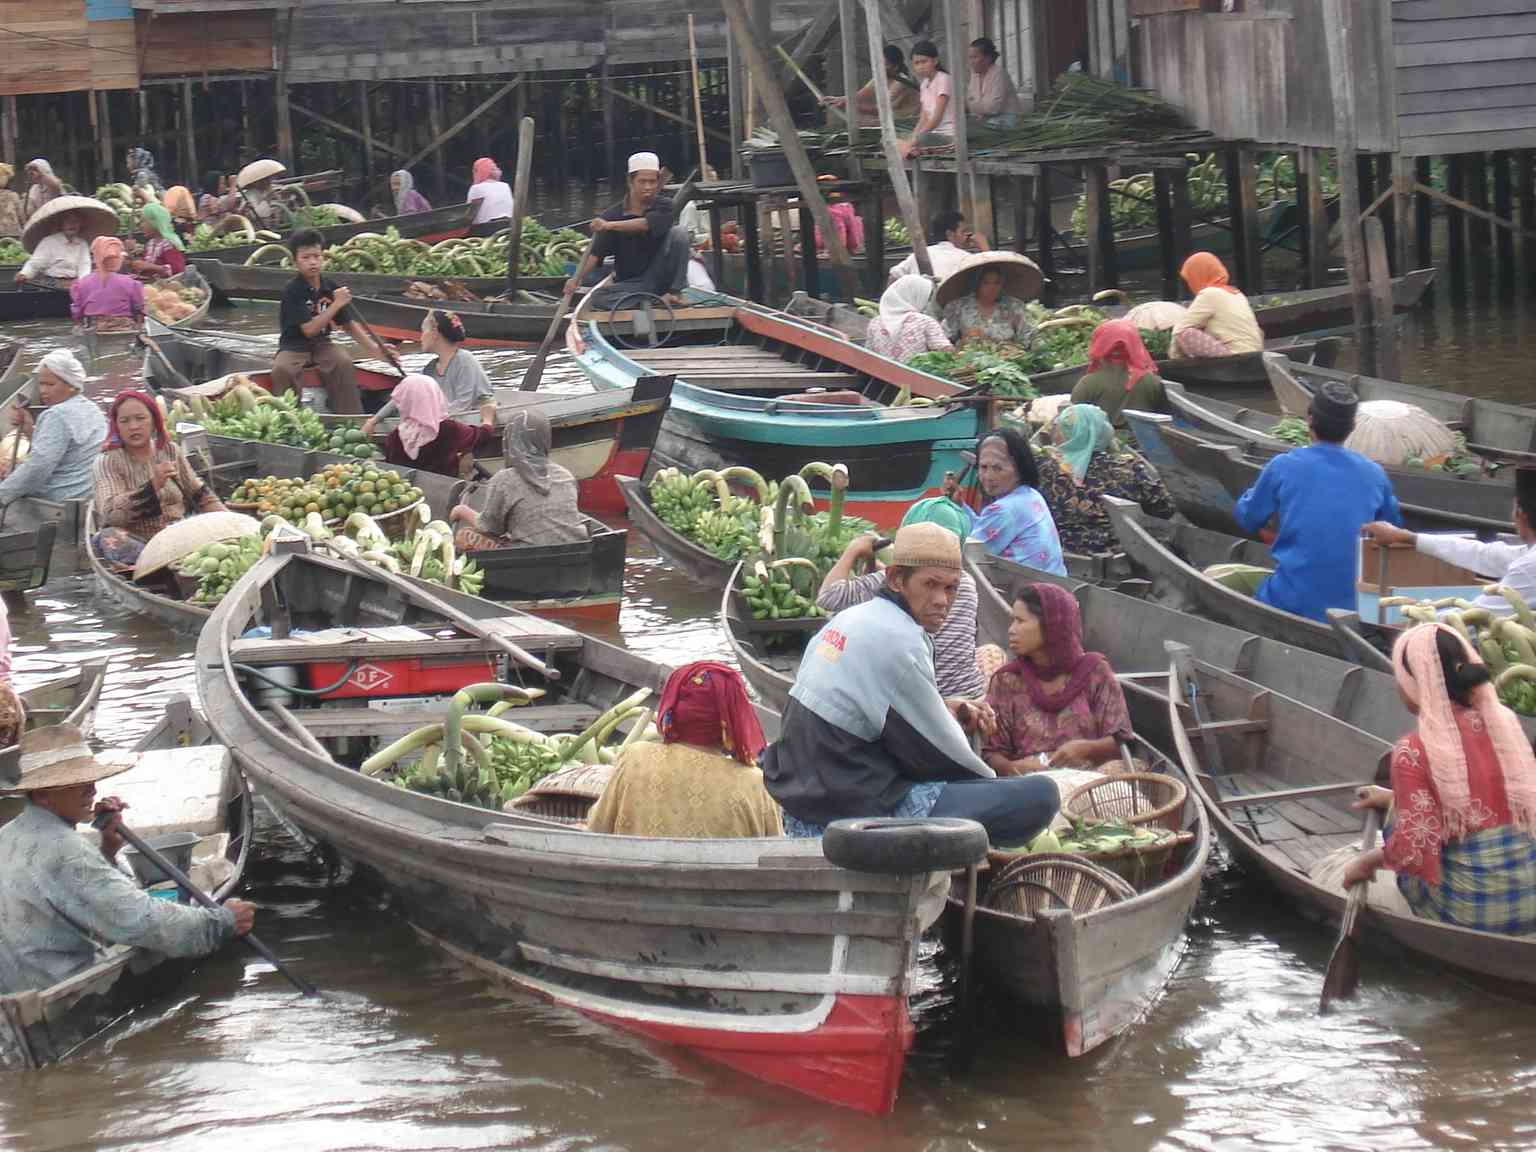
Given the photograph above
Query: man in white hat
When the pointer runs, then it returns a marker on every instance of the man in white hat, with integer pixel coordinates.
(63, 897)
(866, 732)
(650, 255)
(67, 440)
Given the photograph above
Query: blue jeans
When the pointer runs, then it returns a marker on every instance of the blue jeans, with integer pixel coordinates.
(1013, 809)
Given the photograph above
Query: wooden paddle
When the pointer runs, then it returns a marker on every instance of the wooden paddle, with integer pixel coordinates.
(389, 353)
(149, 342)
(1344, 965)
(183, 881)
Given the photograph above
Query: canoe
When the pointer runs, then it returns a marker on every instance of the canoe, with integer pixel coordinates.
(266, 282)
(1491, 427)
(735, 403)
(156, 600)
(1082, 979)
(443, 223)
(179, 784)
(1199, 496)
(700, 565)
(734, 950)
(1315, 309)
(598, 437)
(767, 656)
(67, 699)
(22, 302)
(518, 324)
(115, 336)
(583, 579)
(1252, 741)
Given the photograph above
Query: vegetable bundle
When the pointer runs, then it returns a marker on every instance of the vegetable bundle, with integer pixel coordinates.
(542, 253)
(249, 412)
(218, 566)
(1507, 644)
(11, 251)
(1095, 837)
(425, 550)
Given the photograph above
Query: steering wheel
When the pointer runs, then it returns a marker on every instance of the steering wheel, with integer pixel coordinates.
(649, 331)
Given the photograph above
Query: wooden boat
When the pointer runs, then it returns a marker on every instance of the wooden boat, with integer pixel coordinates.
(1492, 428)
(1082, 979)
(266, 282)
(583, 579)
(23, 302)
(519, 324)
(768, 653)
(1249, 742)
(443, 223)
(598, 437)
(67, 699)
(698, 564)
(179, 784)
(733, 949)
(745, 400)
(1199, 496)
(157, 600)
(115, 336)
(10, 367)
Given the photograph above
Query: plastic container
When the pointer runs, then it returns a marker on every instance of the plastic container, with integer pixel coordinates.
(400, 676)
(770, 168)
(174, 846)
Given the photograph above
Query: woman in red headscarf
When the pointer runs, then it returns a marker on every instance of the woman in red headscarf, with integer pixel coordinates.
(1121, 373)
(106, 291)
(143, 481)
(701, 781)
(490, 191)
(1219, 321)
(1057, 706)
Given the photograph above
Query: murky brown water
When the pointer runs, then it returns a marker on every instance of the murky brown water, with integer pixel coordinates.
(407, 1051)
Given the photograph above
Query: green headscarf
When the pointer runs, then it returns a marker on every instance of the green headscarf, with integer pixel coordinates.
(1081, 431)
(159, 220)
(940, 510)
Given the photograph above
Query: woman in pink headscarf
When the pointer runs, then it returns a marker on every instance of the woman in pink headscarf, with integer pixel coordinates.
(425, 437)
(490, 190)
(106, 291)
(1462, 831)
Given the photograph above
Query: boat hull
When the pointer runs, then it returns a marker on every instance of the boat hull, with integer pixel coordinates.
(698, 564)
(233, 281)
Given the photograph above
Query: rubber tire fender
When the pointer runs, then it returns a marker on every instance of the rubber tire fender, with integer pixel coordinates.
(902, 847)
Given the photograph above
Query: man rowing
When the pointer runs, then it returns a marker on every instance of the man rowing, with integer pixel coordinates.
(63, 897)
(650, 254)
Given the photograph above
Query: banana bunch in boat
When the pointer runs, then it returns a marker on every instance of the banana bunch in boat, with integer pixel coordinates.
(249, 412)
(485, 759)
(217, 566)
(1507, 643)
(772, 591)
(703, 508)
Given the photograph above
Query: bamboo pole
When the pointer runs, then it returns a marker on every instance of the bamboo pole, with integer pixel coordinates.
(520, 194)
(1336, 16)
(895, 163)
(664, 113)
(705, 171)
(847, 16)
(1381, 299)
(777, 110)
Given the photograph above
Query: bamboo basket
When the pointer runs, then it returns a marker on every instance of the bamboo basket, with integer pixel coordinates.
(565, 796)
(1046, 880)
(1151, 799)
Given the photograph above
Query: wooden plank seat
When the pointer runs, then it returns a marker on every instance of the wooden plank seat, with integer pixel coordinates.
(382, 644)
(393, 723)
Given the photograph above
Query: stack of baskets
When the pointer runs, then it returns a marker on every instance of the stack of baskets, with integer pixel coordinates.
(1042, 881)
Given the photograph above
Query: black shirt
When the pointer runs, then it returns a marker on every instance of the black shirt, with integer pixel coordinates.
(633, 252)
(299, 306)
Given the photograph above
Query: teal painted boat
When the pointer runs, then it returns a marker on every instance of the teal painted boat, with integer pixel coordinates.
(776, 393)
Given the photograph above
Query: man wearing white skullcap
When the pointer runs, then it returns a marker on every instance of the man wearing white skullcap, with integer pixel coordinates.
(650, 255)
(67, 440)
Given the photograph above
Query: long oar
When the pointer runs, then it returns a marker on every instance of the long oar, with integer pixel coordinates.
(389, 353)
(207, 901)
(1344, 965)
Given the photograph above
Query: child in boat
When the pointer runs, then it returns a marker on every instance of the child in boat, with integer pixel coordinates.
(426, 437)
(1463, 795)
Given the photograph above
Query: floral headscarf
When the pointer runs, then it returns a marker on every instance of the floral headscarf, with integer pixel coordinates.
(1061, 627)
(107, 255)
(1119, 342)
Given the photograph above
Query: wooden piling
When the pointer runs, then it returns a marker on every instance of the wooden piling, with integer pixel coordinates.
(1423, 216)
(1456, 224)
(1313, 210)
(736, 106)
(894, 161)
(521, 193)
(1387, 364)
(1243, 215)
(102, 103)
(1336, 22)
(189, 131)
(1503, 207)
(435, 130)
(1168, 256)
(8, 131)
(1045, 250)
(1402, 212)
(1183, 216)
(285, 152)
(365, 117)
(1479, 231)
(847, 22)
(1385, 163)
(1525, 180)
(1099, 224)
(610, 124)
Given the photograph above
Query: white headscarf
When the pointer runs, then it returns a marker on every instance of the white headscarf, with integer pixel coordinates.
(909, 296)
(65, 366)
(407, 183)
(41, 165)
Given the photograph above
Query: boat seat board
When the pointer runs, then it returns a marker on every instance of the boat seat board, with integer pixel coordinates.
(174, 789)
(1308, 816)
(531, 633)
(391, 724)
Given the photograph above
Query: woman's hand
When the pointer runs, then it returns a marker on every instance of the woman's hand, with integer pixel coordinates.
(1372, 797)
(974, 716)
(1074, 752)
(462, 512)
(834, 101)
(369, 425)
(1361, 868)
(165, 472)
(907, 147)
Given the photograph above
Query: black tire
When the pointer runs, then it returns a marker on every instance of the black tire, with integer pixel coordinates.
(901, 847)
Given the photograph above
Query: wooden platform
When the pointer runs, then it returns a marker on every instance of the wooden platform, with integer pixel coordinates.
(530, 632)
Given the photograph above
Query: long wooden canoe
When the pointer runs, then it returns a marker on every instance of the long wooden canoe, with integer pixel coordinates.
(443, 223)
(23, 302)
(700, 565)
(1250, 741)
(767, 660)
(67, 699)
(155, 602)
(179, 784)
(737, 950)
(266, 282)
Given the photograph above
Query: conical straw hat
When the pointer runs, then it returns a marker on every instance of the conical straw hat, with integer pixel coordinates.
(99, 219)
(258, 170)
(1021, 276)
(56, 756)
(176, 540)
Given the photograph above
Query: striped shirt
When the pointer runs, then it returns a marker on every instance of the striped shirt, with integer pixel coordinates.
(954, 647)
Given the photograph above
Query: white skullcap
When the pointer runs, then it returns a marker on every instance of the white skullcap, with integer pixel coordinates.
(66, 366)
(644, 162)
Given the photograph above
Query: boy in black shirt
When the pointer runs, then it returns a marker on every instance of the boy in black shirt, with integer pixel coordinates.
(649, 254)
(311, 305)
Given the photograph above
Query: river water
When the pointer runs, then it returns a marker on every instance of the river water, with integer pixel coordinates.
(406, 1050)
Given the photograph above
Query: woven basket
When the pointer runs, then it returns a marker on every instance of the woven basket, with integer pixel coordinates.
(565, 796)
(1045, 880)
(1141, 867)
(1149, 799)
(392, 524)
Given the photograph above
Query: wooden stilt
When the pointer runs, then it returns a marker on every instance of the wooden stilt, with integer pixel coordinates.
(1336, 22)
(521, 192)
(1385, 181)
(1247, 185)
(1100, 228)
(1526, 180)
(1402, 212)
(188, 131)
(1456, 224)
(435, 128)
(895, 163)
(1423, 217)
(716, 245)
(103, 104)
(365, 117)
(811, 275)
(8, 130)
(95, 150)
(583, 119)
(143, 113)
(610, 122)
(1045, 250)
(285, 151)
(1387, 363)
(874, 242)
(1503, 207)
(847, 18)
(1479, 231)
(752, 248)
(1162, 196)
(735, 93)
(1314, 217)
(1023, 208)
(247, 145)
(1183, 216)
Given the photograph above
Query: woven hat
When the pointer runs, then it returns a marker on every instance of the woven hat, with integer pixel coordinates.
(1335, 403)
(56, 756)
(99, 220)
(925, 545)
(186, 536)
(1021, 276)
(258, 170)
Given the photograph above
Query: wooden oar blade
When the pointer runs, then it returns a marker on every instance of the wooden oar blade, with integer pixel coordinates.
(1343, 975)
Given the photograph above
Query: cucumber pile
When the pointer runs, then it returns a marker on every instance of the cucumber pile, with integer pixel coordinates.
(1507, 644)
(218, 566)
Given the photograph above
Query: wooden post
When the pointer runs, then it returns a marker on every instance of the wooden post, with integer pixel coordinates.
(1402, 211)
(895, 162)
(1386, 168)
(751, 246)
(735, 92)
(1162, 196)
(104, 135)
(1100, 228)
(1423, 216)
(285, 151)
(435, 129)
(1381, 300)
(610, 123)
(1503, 207)
(189, 132)
(1526, 179)
(847, 16)
(1045, 250)
(976, 211)
(1456, 223)
(365, 115)
(1243, 214)
(1336, 22)
(1183, 217)
(1022, 209)
(246, 143)
(1479, 231)
(143, 113)
(716, 245)
(812, 276)
(8, 130)
(705, 171)
(874, 242)
(520, 193)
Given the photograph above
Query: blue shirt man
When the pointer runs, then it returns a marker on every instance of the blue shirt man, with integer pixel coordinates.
(1322, 495)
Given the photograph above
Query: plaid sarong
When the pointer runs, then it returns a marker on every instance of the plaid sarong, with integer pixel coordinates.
(1488, 882)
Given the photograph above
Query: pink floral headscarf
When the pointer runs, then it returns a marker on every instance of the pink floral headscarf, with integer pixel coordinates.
(421, 406)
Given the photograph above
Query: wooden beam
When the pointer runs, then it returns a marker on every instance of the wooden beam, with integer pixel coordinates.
(1472, 210)
(8, 130)
(520, 194)
(285, 151)
(1387, 365)
(1336, 23)
(1503, 206)
(896, 164)
(189, 131)
(847, 16)
(735, 93)
(777, 110)
(705, 171)
(1256, 798)
(365, 117)
(104, 132)
(686, 121)
(816, 33)
(976, 211)
(435, 128)
(365, 137)
(1402, 209)
(438, 141)
(1525, 181)
(1099, 226)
